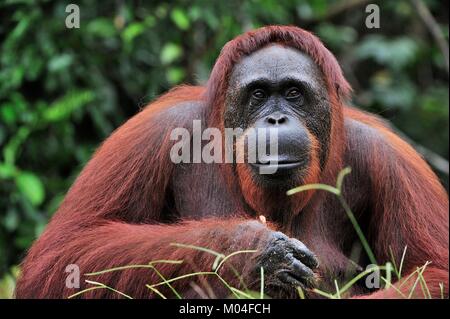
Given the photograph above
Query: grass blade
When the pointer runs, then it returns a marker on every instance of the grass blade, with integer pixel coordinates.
(261, 293)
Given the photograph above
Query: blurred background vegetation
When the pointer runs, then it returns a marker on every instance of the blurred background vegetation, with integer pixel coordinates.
(63, 91)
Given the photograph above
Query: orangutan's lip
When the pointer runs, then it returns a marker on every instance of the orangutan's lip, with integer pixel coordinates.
(279, 165)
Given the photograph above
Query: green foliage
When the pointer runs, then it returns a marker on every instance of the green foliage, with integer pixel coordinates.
(170, 52)
(8, 283)
(65, 106)
(31, 187)
(62, 91)
(180, 18)
(395, 53)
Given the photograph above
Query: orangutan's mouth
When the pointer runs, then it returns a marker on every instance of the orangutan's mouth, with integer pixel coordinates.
(284, 164)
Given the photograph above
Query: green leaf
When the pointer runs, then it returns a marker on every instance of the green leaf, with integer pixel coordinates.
(319, 7)
(170, 52)
(68, 104)
(7, 171)
(11, 220)
(149, 21)
(19, 31)
(60, 62)
(175, 75)
(31, 187)
(180, 18)
(132, 31)
(7, 113)
(102, 27)
(7, 286)
(10, 150)
(305, 11)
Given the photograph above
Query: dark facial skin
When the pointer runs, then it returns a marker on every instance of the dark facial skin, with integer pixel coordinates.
(281, 87)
